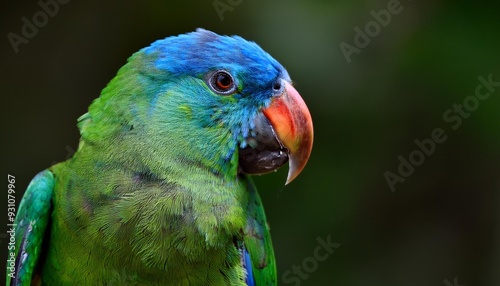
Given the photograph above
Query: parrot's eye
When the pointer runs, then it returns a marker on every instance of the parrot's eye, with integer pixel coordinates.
(222, 82)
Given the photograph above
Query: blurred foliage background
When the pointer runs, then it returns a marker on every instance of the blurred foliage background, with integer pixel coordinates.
(440, 226)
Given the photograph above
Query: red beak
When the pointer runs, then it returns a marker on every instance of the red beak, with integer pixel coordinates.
(292, 122)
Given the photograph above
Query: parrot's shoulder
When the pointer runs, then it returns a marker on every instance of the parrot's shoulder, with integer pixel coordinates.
(30, 227)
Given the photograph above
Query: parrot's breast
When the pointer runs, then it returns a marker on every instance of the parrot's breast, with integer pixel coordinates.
(169, 229)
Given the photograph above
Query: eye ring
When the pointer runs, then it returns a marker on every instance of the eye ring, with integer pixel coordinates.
(222, 82)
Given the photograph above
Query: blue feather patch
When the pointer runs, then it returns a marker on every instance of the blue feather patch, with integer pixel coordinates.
(247, 265)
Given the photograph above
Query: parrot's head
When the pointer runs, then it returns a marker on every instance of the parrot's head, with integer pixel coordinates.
(219, 101)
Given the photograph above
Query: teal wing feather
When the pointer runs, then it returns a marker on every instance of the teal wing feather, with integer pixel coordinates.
(258, 241)
(31, 223)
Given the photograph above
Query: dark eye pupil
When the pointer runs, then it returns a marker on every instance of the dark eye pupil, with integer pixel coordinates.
(223, 81)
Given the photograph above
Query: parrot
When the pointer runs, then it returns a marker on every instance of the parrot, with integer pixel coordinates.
(160, 190)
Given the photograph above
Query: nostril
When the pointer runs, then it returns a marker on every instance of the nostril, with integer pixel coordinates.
(277, 85)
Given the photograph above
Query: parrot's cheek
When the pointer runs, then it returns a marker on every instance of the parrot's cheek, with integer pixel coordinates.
(264, 152)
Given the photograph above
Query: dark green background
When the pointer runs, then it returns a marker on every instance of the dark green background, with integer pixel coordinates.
(442, 222)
